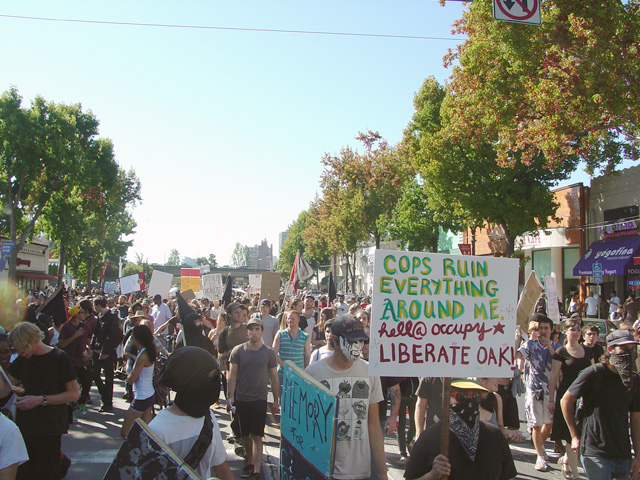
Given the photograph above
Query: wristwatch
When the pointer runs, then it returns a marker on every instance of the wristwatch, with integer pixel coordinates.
(44, 400)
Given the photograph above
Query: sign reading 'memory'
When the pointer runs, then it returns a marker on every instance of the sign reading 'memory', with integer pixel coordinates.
(443, 315)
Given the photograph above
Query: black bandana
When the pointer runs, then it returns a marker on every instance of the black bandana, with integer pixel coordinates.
(624, 363)
(466, 435)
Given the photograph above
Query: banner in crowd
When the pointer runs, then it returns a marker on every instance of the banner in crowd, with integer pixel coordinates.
(190, 279)
(438, 315)
(211, 286)
(131, 283)
(160, 283)
(6, 247)
(109, 288)
(255, 282)
(308, 427)
(144, 455)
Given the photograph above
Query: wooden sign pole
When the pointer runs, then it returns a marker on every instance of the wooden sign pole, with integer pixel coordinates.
(444, 434)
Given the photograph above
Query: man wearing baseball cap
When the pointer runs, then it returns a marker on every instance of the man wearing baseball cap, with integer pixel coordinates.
(477, 449)
(346, 374)
(609, 391)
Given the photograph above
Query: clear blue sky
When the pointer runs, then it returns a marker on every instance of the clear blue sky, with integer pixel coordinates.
(226, 129)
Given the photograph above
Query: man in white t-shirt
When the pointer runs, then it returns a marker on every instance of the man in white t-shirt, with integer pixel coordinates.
(359, 434)
(270, 323)
(160, 313)
(591, 306)
(12, 449)
(341, 305)
(614, 303)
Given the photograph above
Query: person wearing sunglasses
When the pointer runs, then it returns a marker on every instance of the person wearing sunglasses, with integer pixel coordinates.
(477, 449)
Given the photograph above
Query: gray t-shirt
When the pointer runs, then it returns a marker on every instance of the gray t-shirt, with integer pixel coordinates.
(271, 327)
(253, 371)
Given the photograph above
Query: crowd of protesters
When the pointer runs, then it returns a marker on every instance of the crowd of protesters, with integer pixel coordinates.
(205, 351)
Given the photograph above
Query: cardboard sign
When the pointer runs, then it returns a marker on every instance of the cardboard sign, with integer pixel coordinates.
(308, 421)
(270, 287)
(530, 294)
(438, 315)
(188, 295)
(109, 287)
(144, 456)
(131, 283)
(160, 283)
(211, 286)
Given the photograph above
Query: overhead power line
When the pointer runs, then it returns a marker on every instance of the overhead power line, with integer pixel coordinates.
(235, 29)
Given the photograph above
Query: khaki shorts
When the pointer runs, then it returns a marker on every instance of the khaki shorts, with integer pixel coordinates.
(537, 411)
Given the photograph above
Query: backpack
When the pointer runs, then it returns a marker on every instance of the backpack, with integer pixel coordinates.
(161, 392)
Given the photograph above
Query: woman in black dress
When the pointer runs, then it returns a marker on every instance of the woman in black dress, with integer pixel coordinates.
(569, 360)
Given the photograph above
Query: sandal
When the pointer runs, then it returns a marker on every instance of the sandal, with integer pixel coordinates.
(564, 466)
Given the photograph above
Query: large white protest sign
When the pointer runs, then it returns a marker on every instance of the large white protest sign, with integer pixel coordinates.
(211, 286)
(255, 283)
(160, 283)
(553, 309)
(438, 315)
(131, 283)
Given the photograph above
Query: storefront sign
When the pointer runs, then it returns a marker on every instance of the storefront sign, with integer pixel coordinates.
(633, 284)
(618, 229)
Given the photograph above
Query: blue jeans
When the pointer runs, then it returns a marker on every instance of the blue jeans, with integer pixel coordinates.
(600, 468)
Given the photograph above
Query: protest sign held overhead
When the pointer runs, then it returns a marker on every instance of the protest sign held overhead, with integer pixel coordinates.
(160, 283)
(255, 282)
(211, 286)
(439, 315)
(131, 283)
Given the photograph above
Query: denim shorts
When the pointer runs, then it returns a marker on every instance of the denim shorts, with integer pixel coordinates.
(141, 406)
(601, 468)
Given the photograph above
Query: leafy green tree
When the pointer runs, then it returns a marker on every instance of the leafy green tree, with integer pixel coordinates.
(131, 269)
(465, 182)
(174, 258)
(43, 148)
(562, 92)
(201, 261)
(240, 255)
(212, 260)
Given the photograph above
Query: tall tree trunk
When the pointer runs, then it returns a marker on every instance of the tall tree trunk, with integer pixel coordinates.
(353, 273)
(61, 262)
(89, 273)
(473, 240)
(509, 241)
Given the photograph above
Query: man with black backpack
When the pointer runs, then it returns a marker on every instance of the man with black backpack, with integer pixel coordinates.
(609, 391)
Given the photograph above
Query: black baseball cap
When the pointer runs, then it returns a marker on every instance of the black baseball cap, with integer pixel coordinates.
(349, 327)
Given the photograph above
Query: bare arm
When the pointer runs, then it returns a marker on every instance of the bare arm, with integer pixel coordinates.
(567, 404)
(275, 387)
(141, 362)
(71, 394)
(376, 441)
(223, 472)
(421, 410)
(394, 395)
(556, 365)
(441, 467)
(67, 341)
(233, 377)
(276, 348)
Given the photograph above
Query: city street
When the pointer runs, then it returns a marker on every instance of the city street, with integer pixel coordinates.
(93, 442)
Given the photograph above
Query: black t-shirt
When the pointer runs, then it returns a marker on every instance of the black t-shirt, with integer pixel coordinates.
(596, 352)
(45, 374)
(571, 367)
(606, 431)
(430, 388)
(493, 460)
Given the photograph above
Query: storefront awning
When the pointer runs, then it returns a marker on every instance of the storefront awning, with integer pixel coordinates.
(614, 256)
(34, 275)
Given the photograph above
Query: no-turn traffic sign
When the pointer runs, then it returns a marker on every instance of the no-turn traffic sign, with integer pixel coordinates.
(518, 11)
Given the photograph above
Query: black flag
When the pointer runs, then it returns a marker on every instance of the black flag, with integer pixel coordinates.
(226, 296)
(332, 289)
(54, 306)
(183, 307)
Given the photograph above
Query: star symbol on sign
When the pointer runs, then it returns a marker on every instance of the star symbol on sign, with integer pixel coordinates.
(498, 327)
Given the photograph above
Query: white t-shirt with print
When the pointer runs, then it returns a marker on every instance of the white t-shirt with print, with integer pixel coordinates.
(357, 390)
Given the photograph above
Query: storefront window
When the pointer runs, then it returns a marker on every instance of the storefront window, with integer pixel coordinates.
(542, 263)
(571, 283)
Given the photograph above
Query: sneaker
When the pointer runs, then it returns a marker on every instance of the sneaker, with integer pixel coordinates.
(231, 439)
(402, 461)
(83, 410)
(541, 465)
(106, 409)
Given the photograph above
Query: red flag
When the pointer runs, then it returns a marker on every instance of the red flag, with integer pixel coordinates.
(141, 281)
(103, 270)
(293, 273)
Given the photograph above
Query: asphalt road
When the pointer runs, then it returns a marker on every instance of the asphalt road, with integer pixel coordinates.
(93, 441)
